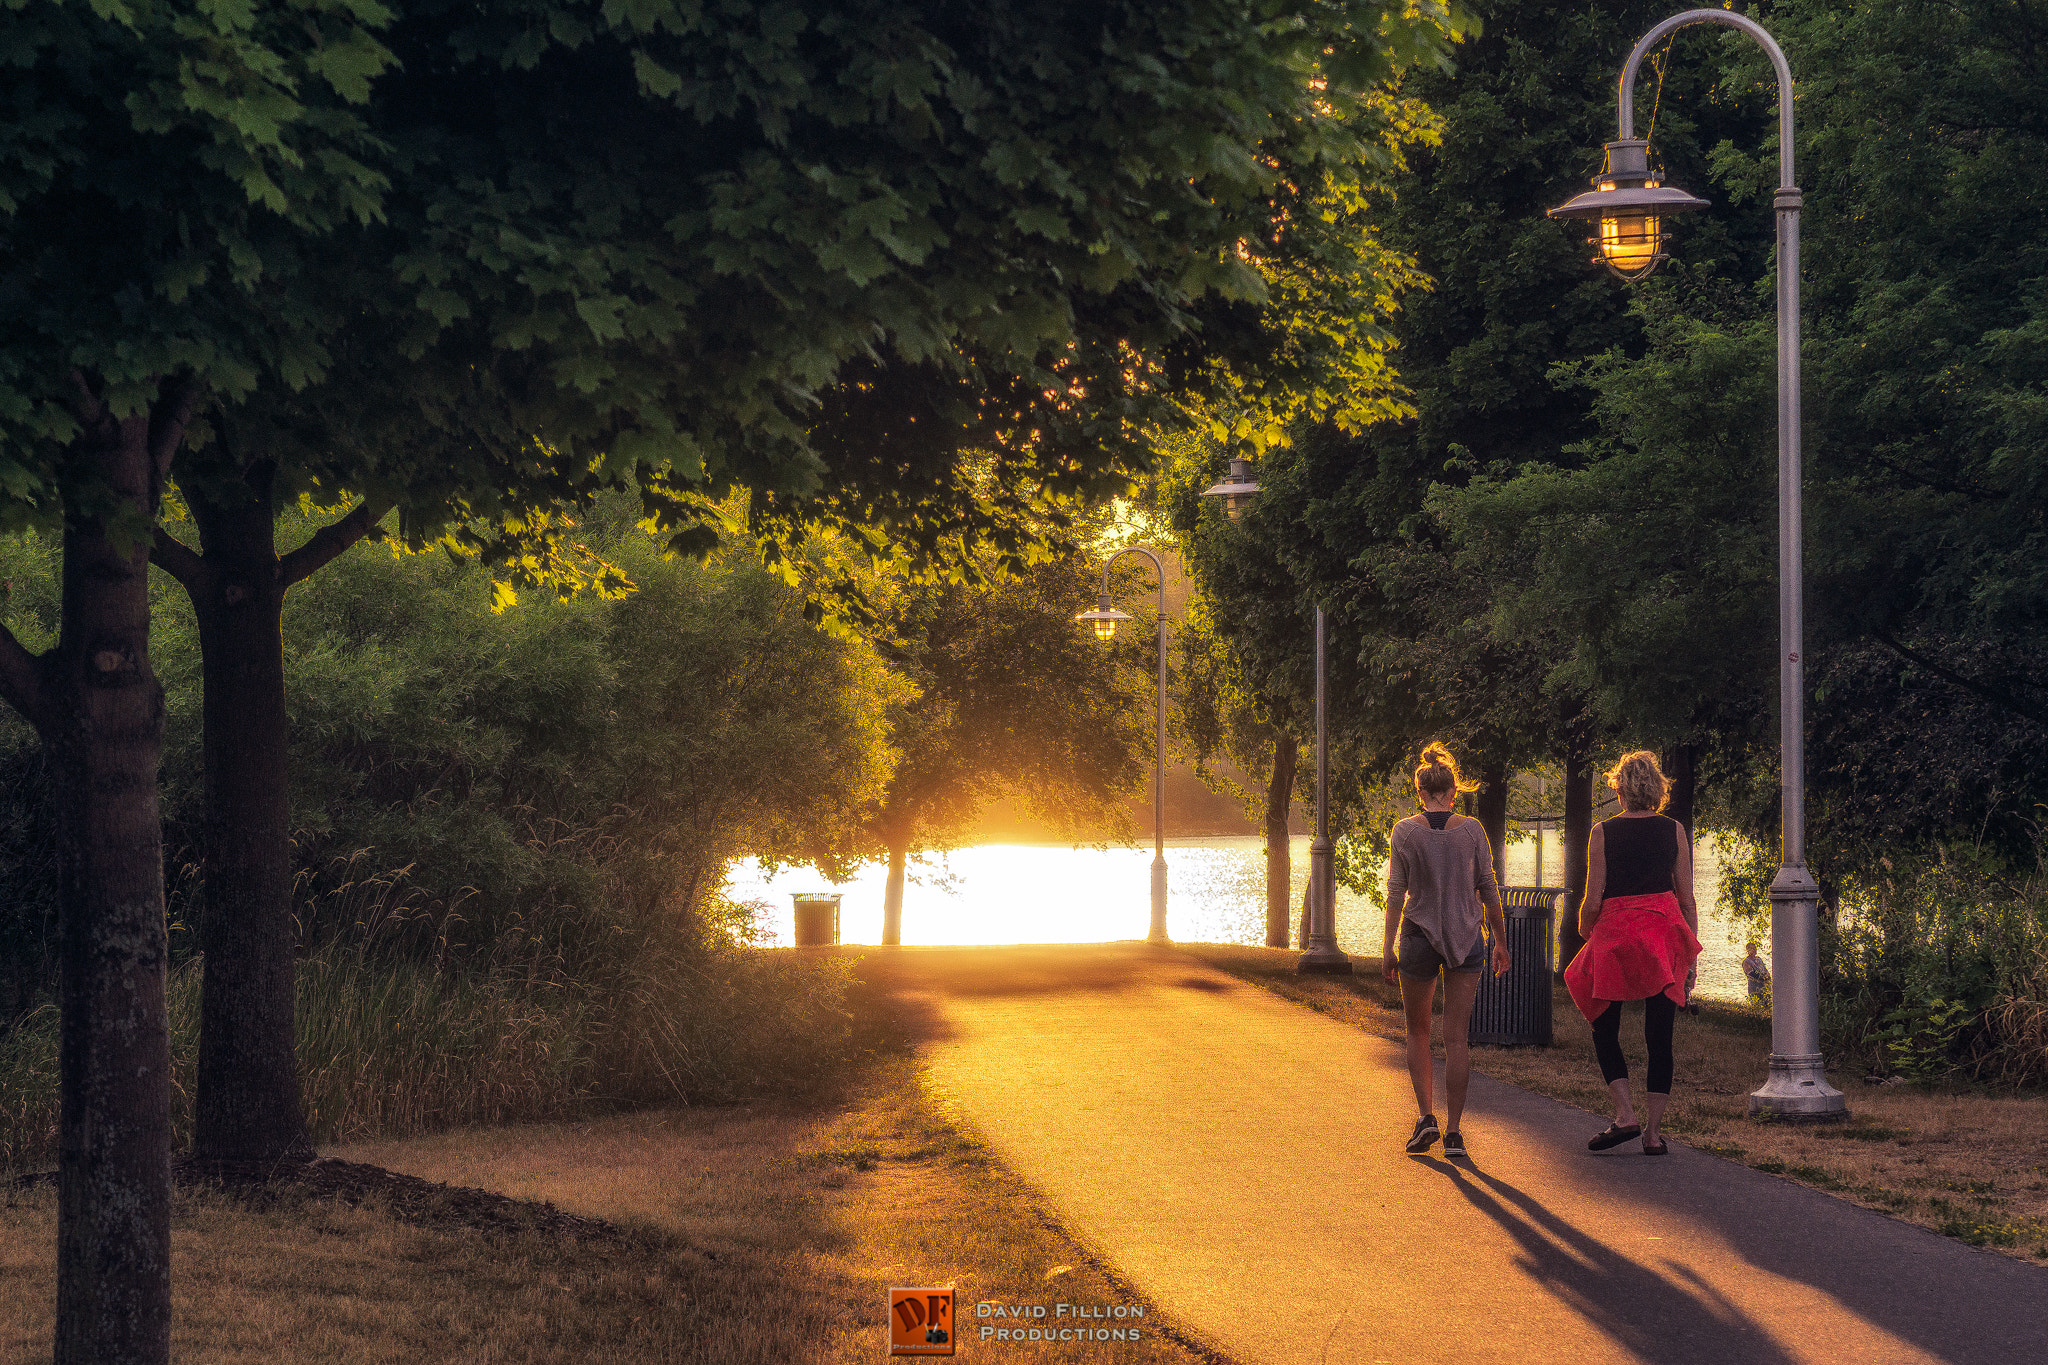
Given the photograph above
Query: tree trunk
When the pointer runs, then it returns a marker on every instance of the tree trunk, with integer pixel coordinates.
(1493, 814)
(1578, 829)
(1279, 848)
(97, 705)
(1678, 766)
(892, 897)
(248, 1105)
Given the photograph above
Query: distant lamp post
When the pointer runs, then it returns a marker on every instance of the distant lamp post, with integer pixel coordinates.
(1322, 955)
(1237, 489)
(1629, 206)
(1104, 618)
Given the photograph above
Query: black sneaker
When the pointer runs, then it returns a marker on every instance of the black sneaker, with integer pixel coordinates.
(1425, 1134)
(1454, 1143)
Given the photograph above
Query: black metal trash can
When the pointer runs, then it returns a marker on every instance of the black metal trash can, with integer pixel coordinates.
(817, 918)
(1514, 1010)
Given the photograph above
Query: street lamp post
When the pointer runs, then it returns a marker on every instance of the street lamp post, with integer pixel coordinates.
(1105, 618)
(1322, 955)
(1629, 205)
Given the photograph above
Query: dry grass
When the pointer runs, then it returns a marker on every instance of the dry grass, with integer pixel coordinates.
(762, 1235)
(1971, 1166)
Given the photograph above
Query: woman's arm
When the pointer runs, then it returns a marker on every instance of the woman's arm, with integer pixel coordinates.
(1596, 882)
(1397, 897)
(1681, 881)
(1488, 887)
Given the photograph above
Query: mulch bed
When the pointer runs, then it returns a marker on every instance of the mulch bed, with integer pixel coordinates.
(407, 1198)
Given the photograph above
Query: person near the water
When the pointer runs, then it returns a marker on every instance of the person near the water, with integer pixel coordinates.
(1759, 976)
(1439, 874)
(1642, 938)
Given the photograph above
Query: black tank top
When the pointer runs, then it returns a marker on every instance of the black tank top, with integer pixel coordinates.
(1640, 853)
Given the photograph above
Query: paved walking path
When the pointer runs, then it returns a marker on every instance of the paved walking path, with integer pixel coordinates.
(1238, 1159)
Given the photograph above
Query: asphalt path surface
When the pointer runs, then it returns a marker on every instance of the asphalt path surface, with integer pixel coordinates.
(1238, 1160)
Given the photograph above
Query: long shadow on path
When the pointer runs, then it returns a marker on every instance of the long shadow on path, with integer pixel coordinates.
(1670, 1316)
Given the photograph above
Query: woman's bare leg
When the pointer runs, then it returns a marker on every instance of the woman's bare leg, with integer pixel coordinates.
(1418, 995)
(1460, 990)
(1655, 1105)
(1624, 1108)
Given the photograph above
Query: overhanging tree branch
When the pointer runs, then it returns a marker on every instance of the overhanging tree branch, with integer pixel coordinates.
(330, 540)
(177, 559)
(1991, 694)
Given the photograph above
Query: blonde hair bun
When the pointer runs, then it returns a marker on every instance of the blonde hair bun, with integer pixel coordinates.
(1438, 772)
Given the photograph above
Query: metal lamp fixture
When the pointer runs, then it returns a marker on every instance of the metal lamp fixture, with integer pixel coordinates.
(1237, 489)
(1630, 206)
(1797, 1085)
(1104, 618)
(1322, 954)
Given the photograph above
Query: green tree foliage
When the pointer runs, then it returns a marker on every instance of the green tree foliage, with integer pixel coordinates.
(476, 262)
(1651, 559)
(1923, 472)
(550, 775)
(1343, 519)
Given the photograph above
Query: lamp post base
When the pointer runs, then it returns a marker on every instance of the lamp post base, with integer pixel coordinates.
(1323, 962)
(1157, 933)
(1797, 1091)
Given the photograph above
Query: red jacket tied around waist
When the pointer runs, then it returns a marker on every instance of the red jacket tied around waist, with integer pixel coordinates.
(1640, 947)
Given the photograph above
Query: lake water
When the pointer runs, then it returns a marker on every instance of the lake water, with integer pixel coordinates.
(1054, 893)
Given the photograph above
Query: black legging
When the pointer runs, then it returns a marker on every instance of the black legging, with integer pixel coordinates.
(1659, 1012)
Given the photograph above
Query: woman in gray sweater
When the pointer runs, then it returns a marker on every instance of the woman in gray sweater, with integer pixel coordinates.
(1439, 874)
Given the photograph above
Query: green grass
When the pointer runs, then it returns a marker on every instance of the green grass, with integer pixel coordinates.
(390, 1047)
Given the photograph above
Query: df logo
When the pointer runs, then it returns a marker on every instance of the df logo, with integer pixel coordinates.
(921, 1322)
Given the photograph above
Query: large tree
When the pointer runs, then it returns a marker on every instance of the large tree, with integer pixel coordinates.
(165, 175)
(818, 253)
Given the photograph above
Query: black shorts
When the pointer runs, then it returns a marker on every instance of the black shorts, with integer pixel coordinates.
(1419, 957)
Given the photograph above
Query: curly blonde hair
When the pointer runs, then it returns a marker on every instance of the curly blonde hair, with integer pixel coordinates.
(1438, 773)
(1640, 783)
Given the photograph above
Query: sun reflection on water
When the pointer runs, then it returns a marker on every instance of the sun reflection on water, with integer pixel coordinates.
(1054, 893)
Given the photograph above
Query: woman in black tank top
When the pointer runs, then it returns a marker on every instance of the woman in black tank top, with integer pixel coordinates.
(1642, 938)
(1640, 854)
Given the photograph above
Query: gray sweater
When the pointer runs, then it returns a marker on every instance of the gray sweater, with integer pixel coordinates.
(1439, 877)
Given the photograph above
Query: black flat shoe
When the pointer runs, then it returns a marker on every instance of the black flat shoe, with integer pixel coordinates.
(1613, 1135)
(1656, 1149)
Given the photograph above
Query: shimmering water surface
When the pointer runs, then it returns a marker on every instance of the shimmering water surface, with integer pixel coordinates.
(1053, 893)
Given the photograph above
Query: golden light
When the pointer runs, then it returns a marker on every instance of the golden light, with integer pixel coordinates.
(1631, 243)
(1630, 207)
(1103, 618)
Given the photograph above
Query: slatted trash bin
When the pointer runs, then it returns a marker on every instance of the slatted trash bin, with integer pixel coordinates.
(1514, 1010)
(817, 918)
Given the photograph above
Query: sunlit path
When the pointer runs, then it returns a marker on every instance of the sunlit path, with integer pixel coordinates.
(1239, 1160)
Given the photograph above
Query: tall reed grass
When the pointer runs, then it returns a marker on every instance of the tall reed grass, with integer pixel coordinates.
(1940, 971)
(390, 1046)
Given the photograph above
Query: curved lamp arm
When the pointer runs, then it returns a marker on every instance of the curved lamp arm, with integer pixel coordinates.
(1157, 565)
(1727, 19)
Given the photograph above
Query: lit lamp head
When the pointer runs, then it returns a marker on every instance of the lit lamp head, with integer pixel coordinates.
(1630, 208)
(1104, 616)
(1237, 490)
